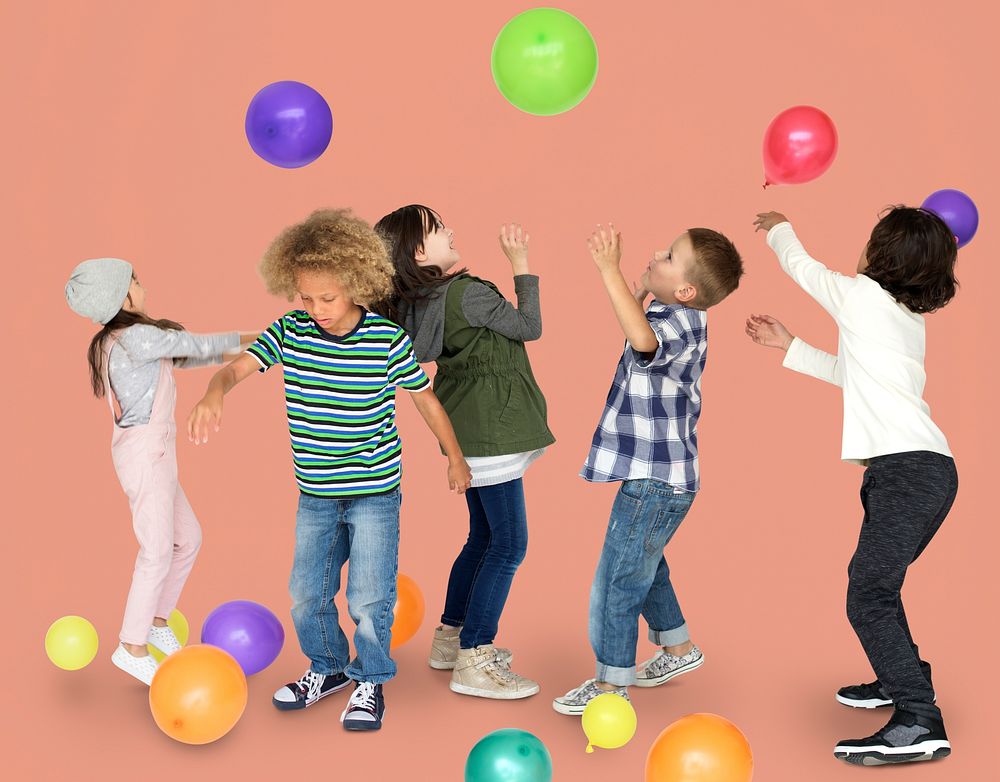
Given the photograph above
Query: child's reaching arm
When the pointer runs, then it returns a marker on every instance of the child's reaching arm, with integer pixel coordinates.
(144, 343)
(800, 356)
(190, 362)
(209, 409)
(606, 250)
(483, 306)
(430, 409)
(827, 287)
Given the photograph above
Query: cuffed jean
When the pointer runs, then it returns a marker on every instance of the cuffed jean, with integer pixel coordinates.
(633, 578)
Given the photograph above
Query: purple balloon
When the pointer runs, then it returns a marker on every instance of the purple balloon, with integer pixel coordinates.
(289, 124)
(248, 631)
(957, 210)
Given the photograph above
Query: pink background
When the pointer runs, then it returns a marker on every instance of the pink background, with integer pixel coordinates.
(123, 134)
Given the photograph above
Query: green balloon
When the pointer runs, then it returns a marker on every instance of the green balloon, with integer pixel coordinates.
(544, 61)
(509, 755)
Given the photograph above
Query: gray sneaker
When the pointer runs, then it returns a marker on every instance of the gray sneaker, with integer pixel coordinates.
(575, 701)
(666, 666)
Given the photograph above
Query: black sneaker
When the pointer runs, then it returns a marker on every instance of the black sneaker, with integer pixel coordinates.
(365, 709)
(864, 696)
(307, 690)
(905, 738)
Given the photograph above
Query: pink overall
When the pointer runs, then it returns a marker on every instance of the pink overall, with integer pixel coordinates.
(145, 458)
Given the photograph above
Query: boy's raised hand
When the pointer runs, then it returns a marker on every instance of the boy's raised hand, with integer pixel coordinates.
(605, 246)
(767, 220)
(769, 332)
(514, 243)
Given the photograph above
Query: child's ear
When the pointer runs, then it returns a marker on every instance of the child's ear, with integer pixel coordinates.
(686, 293)
(420, 255)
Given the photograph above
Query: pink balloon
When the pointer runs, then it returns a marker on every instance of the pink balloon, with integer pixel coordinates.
(799, 145)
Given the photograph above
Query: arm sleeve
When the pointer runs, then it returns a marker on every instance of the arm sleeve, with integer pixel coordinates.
(402, 368)
(267, 349)
(145, 343)
(803, 357)
(483, 306)
(826, 287)
(670, 344)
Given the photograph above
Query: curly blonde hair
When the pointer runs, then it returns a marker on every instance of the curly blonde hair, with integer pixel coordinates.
(332, 241)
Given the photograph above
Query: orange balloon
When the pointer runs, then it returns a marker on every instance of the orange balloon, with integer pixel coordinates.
(408, 612)
(198, 694)
(700, 748)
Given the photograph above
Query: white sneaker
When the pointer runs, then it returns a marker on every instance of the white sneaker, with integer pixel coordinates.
(665, 666)
(142, 668)
(163, 638)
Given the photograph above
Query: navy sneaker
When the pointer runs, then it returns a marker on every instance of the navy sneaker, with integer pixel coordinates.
(309, 689)
(905, 738)
(365, 709)
(864, 696)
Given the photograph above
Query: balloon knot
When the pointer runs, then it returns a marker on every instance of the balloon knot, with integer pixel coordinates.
(590, 749)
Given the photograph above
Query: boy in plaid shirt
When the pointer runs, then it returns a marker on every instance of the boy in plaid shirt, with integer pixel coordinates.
(647, 439)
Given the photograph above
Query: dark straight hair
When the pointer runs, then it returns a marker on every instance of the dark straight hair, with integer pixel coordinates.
(912, 254)
(123, 319)
(403, 232)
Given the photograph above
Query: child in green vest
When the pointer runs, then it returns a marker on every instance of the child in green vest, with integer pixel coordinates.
(485, 383)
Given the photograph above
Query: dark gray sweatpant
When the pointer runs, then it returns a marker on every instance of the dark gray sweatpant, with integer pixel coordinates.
(906, 496)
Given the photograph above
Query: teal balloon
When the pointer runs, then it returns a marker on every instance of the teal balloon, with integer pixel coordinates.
(509, 755)
(544, 61)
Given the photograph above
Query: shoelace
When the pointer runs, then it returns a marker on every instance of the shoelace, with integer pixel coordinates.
(363, 697)
(310, 683)
(496, 668)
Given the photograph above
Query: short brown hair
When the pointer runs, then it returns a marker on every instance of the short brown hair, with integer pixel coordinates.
(333, 241)
(716, 270)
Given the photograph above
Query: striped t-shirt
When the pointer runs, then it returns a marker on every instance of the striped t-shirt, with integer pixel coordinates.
(340, 397)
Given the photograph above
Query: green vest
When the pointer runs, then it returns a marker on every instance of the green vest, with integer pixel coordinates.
(484, 382)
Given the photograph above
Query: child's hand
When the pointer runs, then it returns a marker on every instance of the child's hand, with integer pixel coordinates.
(767, 220)
(606, 248)
(514, 243)
(766, 331)
(207, 412)
(459, 476)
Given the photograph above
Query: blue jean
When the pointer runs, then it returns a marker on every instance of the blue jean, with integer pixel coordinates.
(328, 532)
(633, 577)
(482, 574)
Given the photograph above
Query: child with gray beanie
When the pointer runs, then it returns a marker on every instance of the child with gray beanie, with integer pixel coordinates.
(131, 363)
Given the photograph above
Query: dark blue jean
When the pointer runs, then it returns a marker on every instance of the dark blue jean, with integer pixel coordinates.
(482, 574)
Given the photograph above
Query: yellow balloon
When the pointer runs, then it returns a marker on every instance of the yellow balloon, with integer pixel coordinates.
(609, 722)
(71, 642)
(179, 624)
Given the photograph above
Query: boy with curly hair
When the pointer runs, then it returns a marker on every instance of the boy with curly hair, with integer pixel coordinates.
(342, 365)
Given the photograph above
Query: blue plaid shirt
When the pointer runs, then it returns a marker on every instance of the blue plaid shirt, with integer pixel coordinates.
(649, 425)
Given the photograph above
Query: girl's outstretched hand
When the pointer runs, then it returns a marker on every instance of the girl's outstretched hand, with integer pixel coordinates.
(605, 246)
(514, 243)
(459, 476)
(769, 332)
(767, 220)
(208, 412)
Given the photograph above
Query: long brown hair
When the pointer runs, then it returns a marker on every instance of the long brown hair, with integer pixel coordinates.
(403, 232)
(124, 319)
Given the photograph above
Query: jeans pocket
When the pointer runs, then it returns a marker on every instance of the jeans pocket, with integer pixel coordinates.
(634, 490)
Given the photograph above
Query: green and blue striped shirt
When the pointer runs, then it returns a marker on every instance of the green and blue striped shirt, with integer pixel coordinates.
(340, 395)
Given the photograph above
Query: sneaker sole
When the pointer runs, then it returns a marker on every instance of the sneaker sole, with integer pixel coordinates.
(130, 673)
(565, 708)
(363, 725)
(670, 674)
(299, 705)
(870, 703)
(881, 756)
(477, 692)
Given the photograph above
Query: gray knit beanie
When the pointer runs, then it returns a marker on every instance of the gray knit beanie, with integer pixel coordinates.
(97, 289)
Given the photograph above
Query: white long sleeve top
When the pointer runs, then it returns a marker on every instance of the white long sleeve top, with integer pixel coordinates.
(879, 362)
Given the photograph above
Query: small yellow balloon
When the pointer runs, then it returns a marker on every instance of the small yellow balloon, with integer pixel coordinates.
(71, 643)
(179, 624)
(609, 722)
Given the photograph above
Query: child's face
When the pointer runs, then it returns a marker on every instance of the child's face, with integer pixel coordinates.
(326, 301)
(666, 276)
(437, 249)
(136, 301)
